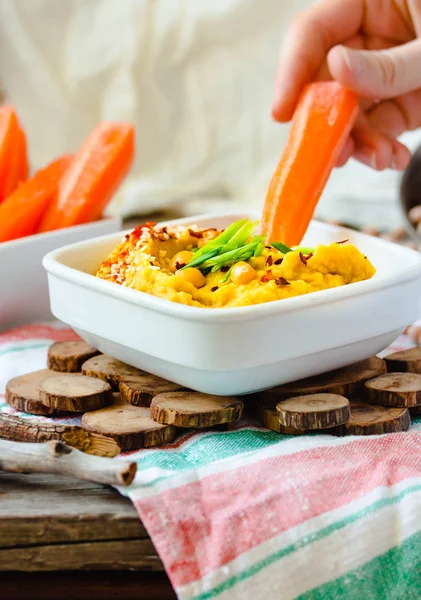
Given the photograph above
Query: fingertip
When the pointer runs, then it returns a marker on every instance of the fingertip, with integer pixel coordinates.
(401, 157)
(285, 97)
(281, 113)
(348, 68)
(338, 63)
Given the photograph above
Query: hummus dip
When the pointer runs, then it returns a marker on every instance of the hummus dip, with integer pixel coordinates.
(155, 259)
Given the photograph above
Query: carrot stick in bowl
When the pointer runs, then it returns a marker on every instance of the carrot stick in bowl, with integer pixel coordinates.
(18, 170)
(13, 157)
(22, 211)
(98, 169)
(321, 124)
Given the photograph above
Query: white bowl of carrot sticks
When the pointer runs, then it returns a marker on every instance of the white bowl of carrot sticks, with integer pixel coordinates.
(55, 206)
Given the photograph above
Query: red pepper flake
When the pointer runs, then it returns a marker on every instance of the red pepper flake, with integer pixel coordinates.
(224, 269)
(279, 261)
(269, 260)
(179, 265)
(281, 281)
(303, 259)
(214, 288)
(309, 255)
(343, 242)
(266, 277)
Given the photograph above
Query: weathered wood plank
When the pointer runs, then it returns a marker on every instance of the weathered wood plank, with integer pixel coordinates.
(113, 555)
(94, 585)
(14, 531)
(43, 510)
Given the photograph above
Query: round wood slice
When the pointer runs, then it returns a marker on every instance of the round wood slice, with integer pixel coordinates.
(193, 409)
(68, 357)
(368, 419)
(110, 370)
(315, 411)
(395, 389)
(71, 392)
(407, 361)
(130, 426)
(140, 390)
(22, 393)
(269, 418)
(348, 381)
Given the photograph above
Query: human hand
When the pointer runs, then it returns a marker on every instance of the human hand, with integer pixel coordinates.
(372, 48)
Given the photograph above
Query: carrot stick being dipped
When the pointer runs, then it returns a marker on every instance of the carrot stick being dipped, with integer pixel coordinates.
(22, 211)
(321, 124)
(98, 169)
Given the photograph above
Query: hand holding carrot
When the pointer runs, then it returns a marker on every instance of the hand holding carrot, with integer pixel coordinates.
(372, 48)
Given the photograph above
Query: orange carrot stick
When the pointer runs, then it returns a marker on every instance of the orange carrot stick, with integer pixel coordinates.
(21, 213)
(18, 167)
(9, 128)
(98, 169)
(321, 124)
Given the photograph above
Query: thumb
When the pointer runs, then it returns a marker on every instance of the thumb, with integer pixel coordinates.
(377, 73)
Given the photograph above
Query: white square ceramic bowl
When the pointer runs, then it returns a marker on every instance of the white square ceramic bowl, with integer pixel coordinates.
(24, 287)
(239, 350)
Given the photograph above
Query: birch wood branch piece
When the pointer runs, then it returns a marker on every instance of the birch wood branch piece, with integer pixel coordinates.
(58, 458)
(18, 429)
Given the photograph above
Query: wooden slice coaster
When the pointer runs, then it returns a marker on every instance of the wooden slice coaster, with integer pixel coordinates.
(348, 381)
(269, 418)
(130, 426)
(315, 411)
(68, 357)
(110, 370)
(22, 393)
(395, 389)
(367, 419)
(22, 429)
(75, 393)
(140, 390)
(193, 409)
(407, 361)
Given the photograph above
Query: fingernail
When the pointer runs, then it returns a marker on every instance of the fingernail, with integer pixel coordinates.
(346, 57)
(354, 61)
(373, 160)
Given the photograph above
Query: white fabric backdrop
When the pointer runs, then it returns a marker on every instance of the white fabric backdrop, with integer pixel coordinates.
(195, 77)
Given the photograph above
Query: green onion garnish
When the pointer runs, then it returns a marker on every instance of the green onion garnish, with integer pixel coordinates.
(229, 247)
(233, 255)
(223, 238)
(233, 245)
(226, 276)
(281, 247)
(199, 260)
(243, 234)
(303, 249)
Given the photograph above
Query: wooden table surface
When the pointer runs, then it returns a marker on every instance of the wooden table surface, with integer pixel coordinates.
(88, 535)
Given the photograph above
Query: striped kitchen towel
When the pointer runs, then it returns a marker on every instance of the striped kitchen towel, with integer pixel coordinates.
(251, 514)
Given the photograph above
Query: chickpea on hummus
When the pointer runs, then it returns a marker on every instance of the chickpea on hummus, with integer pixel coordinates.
(214, 269)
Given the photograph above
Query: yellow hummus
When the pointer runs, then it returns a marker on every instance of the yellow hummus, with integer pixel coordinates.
(143, 262)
